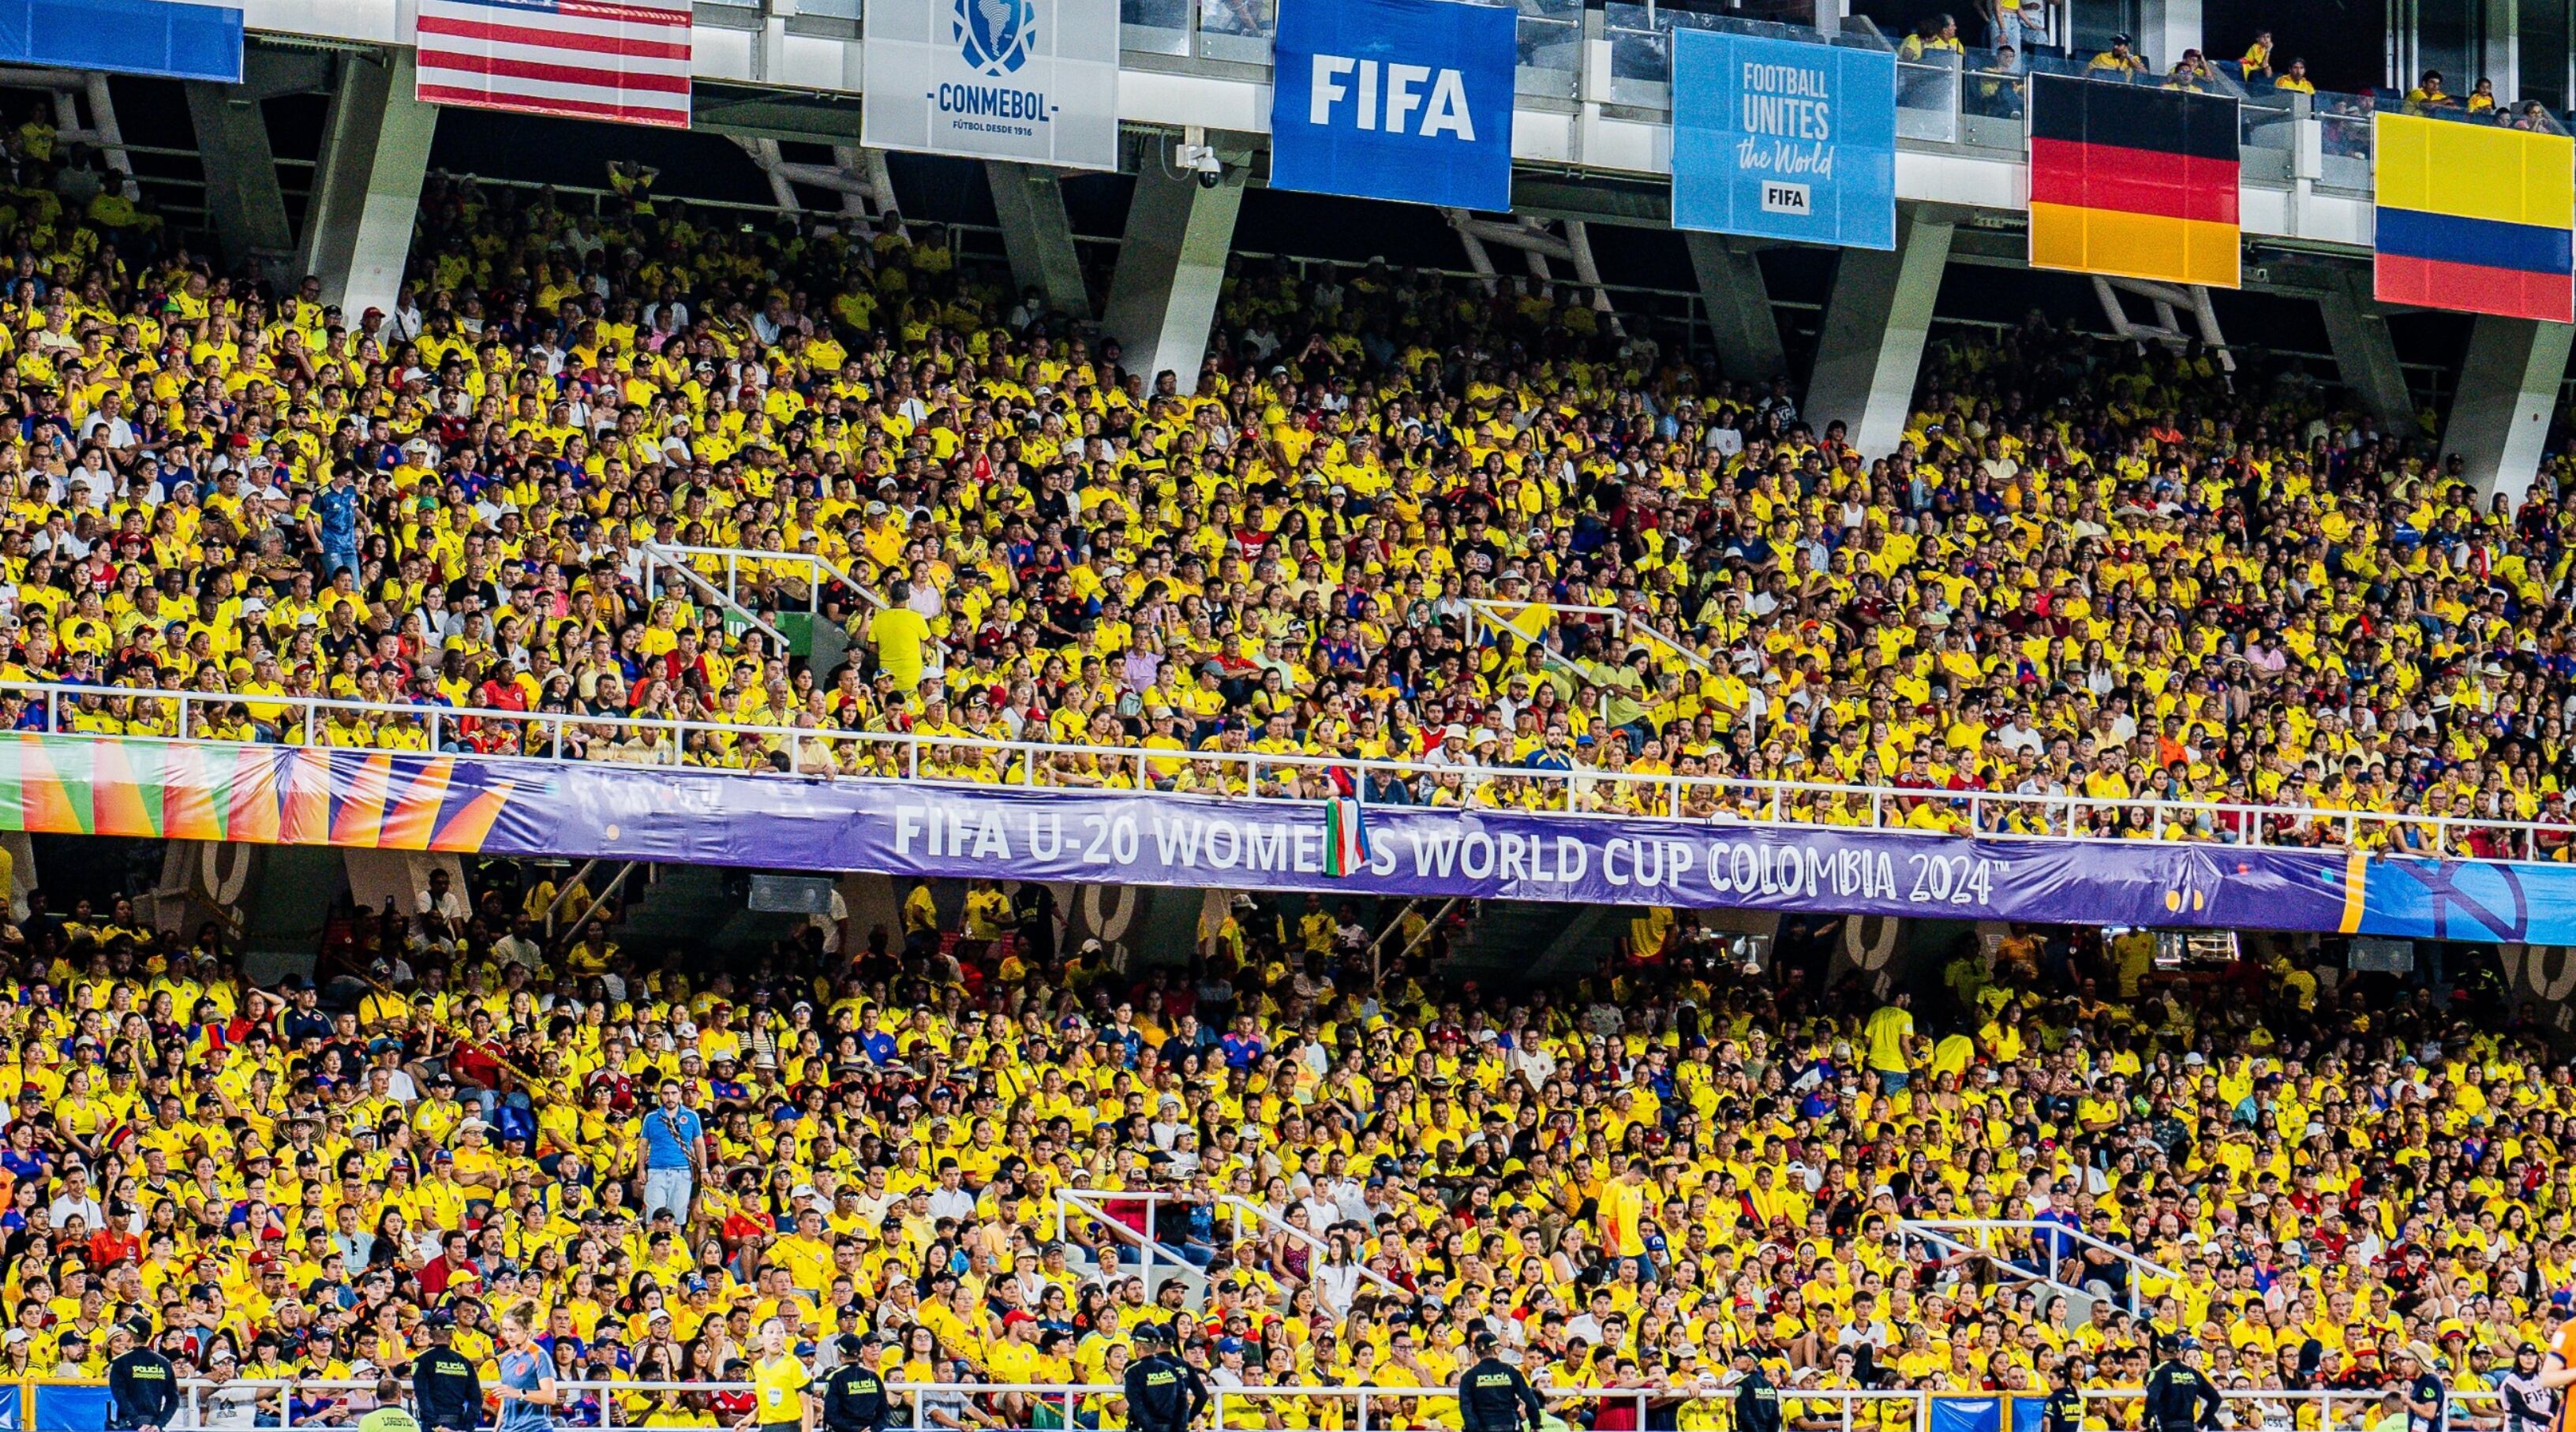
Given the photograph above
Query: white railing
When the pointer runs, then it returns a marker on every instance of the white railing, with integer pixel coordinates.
(732, 561)
(1582, 792)
(1101, 1208)
(1506, 615)
(1368, 1407)
(2015, 1247)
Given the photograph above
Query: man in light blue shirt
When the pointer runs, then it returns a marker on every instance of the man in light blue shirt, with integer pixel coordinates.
(675, 1150)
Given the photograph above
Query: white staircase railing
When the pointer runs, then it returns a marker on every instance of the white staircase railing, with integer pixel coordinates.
(2013, 1249)
(1127, 1217)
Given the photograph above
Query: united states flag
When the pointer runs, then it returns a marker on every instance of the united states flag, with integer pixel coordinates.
(624, 60)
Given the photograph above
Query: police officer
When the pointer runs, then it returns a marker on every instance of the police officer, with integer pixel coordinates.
(142, 1386)
(1164, 1394)
(854, 1397)
(1492, 1394)
(2179, 1397)
(1757, 1398)
(443, 1381)
(2064, 1410)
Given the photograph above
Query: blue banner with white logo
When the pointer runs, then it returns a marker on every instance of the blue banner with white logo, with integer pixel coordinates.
(1394, 99)
(1784, 140)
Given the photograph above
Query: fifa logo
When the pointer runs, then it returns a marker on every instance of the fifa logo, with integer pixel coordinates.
(994, 35)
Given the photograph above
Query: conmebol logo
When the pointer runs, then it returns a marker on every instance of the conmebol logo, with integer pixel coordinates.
(994, 35)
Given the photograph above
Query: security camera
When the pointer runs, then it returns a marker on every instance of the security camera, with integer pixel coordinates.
(1200, 159)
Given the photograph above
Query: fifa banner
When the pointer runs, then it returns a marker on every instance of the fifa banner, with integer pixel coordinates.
(1784, 140)
(1032, 80)
(1394, 99)
(2473, 217)
(189, 790)
(171, 38)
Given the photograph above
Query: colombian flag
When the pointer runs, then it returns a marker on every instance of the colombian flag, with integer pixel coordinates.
(2132, 181)
(2474, 217)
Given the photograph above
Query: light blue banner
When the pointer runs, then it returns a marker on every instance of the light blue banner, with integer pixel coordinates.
(1394, 99)
(1784, 140)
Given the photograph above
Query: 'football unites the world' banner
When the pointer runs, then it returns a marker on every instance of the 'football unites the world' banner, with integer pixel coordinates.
(2474, 217)
(1783, 139)
(2133, 182)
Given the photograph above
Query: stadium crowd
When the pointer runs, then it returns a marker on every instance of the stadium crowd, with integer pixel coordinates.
(2085, 570)
(633, 1166)
(1379, 529)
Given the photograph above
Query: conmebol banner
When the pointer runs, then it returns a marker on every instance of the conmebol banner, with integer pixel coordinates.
(361, 799)
(1783, 139)
(1394, 99)
(1031, 80)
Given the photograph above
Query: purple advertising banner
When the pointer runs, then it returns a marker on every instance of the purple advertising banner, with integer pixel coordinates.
(353, 798)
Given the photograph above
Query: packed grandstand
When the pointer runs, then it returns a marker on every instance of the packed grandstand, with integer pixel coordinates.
(1552, 563)
(1505, 549)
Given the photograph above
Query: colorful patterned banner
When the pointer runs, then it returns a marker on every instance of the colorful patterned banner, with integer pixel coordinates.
(363, 799)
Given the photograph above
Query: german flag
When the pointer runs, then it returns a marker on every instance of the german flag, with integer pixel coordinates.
(2133, 181)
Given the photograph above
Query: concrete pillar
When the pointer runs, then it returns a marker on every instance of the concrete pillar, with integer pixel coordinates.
(1171, 264)
(2499, 423)
(1037, 235)
(2166, 28)
(1876, 319)
(2499, 49)
(1739, 306)
(366, 188)
(2366, 355)
(248, 209)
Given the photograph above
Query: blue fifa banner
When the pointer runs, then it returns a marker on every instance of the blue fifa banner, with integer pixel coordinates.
(1394, 99)
(135, 37)
(1784, 140)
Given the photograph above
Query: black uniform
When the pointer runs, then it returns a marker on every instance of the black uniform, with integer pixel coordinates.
(854, 1400)
(1492, 1396)
(2179, 1399)
(1757, 1403)
(143, 1389)
(447, 1390)
(1164, 1394)
(2063, 1412)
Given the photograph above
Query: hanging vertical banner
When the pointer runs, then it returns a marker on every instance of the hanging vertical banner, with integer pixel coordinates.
(2133, 182)
(621, 60)
(1394, 99)
(2473, 217)
(1031, 80)
(1783, 139)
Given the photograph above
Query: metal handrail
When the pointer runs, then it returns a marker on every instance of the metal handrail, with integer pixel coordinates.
(1496, 607)
(1405, 1402)
(1757, 802)
(655, 559)
(2069, 1232)
(734, 557)
(2003, 1265)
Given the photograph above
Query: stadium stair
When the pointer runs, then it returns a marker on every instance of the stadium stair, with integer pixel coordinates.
(701, 910)
(1530, 942)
